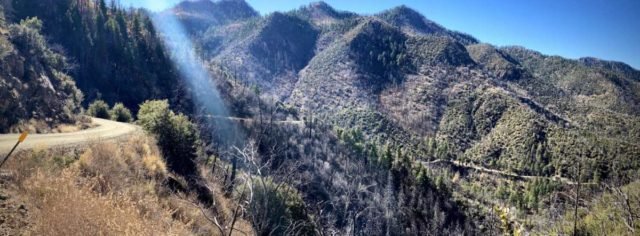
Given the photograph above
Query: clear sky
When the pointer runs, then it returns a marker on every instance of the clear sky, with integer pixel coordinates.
(606, 29)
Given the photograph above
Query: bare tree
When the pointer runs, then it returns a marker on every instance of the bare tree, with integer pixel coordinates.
(623, 202)
(261, 202)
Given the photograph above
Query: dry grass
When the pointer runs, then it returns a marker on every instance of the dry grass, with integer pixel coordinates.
(44, 127)
(108, 189)
(66, 208)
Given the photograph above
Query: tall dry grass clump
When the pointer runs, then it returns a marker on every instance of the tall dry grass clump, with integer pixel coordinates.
(111, 188)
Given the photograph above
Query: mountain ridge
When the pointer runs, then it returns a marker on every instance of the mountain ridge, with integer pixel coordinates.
(372, 60)
(340, 122)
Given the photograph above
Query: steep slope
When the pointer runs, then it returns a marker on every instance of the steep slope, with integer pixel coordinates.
(321, 14)
(345, 110)
(404, 81)
(199, 15)
(116, 54)
(269, 52)
(33, 82)
(412, 22)
(401, 87)
(500, 63)
(577, 90)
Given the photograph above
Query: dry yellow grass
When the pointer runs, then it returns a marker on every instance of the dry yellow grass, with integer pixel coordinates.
(64, 207)
(108, 189)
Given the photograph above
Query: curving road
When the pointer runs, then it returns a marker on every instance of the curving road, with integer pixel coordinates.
(500, 172)
(105, 130)
(252, 120)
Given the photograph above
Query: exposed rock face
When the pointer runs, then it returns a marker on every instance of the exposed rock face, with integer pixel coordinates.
(33, 84)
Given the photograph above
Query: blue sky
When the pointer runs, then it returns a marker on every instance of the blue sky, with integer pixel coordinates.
(570, 28)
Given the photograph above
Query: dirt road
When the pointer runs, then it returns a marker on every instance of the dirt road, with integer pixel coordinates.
(105, 130)
(499, 172)
(252, 120)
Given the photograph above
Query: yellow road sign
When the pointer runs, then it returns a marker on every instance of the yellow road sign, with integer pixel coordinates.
(23, 136)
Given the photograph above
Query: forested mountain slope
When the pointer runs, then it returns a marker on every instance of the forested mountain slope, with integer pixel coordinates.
(350, 124)
(115, 53)
(407, 82)
(402, 79)
(34, 83)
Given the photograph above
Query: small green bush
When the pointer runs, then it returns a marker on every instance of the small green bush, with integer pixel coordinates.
(99, 109)
(121, 113)
(176, 134)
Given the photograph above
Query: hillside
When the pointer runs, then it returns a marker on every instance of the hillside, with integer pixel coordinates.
(34, 85)
(119, 186)
(114, 54)
(397, 73)
(199, 15)
(338, 123)
(406, 81)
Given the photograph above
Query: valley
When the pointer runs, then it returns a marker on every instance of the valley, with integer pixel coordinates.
(313, 121)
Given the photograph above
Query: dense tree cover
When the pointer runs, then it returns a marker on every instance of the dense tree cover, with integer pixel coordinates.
(380, 49)
(117, 54)
(284, 43)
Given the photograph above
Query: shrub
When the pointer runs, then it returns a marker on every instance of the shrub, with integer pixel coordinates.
(176, 135)
(109, 190)
(277, 208)
(99, 109)
(121, 113)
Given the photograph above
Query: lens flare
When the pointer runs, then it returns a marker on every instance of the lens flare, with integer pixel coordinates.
(193, 71)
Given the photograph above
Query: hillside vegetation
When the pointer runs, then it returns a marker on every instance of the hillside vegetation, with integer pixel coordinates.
(405, 81)
(339, 123)
(34, 84)
(109, 188)
(115, 54)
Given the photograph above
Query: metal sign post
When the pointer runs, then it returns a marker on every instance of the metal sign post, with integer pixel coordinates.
(23, 136)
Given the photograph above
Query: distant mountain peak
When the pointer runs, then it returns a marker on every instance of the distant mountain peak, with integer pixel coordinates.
(192, 4)
(616, 66)
(372, 26)
(408, 18)
(406, 10)
(321, 13)
(320, 5)
(208, 5)
(414, 23)
(199, 15)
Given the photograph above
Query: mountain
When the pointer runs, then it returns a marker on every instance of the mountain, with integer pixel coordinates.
(504, 66)
(351, 124)
(321, 14)
(405, 81)
(412, 22)
(199, 15)
(609, 65)
(268, 52)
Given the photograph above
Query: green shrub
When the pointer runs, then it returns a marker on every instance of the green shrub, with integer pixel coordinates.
(99, 109)
(121, 113)
(176, 135)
